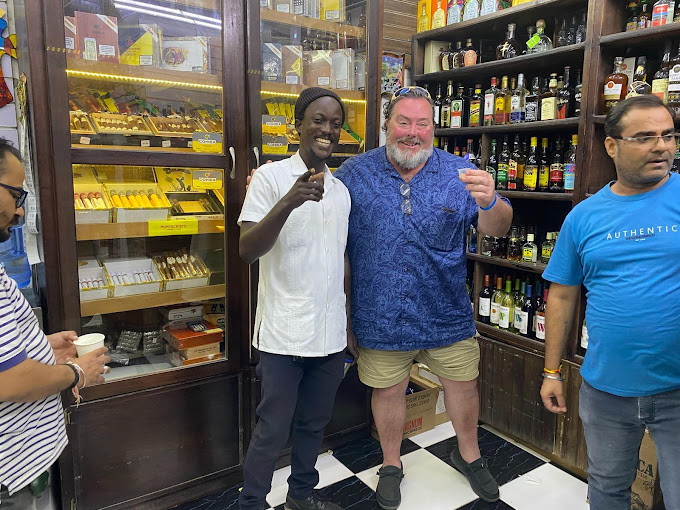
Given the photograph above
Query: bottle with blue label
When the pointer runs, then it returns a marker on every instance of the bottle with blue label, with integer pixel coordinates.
(14, 259)
(570, 166)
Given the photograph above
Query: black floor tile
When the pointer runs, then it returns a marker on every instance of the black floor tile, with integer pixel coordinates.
(506, 461)
(350, 494)
(366, 453)
(480, 504)
(225, 500)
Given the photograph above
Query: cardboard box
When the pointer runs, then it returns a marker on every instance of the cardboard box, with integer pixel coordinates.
(342, 70)
(422, 375)
(130, 266)
(70, 35)
(291, 64)
(181, 339)
(318, 67)
(646, 491)
(182, 313)
(420, 408)
(313, 8)
(274, 144)
(272, 63)
(424, 11)
(298, 7)
(432, 50)
(332, 10)
(140, 45)
(97, 37)
(283, 6)
(185, 54)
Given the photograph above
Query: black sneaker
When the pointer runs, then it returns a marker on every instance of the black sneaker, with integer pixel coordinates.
(311, 503)
(479, 476)
(387, 493)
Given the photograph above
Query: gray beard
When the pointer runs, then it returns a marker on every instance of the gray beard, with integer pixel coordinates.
(408, 161)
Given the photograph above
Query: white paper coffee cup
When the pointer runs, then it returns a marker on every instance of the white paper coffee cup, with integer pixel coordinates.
(89, 343)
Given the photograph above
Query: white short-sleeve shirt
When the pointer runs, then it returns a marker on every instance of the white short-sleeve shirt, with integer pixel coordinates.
(301, 297)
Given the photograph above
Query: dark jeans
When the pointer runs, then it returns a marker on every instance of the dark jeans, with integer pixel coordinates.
(614, 427)
(24, 499)
(295, 390)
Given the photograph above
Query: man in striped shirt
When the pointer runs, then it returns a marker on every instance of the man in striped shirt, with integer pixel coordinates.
(33, 369)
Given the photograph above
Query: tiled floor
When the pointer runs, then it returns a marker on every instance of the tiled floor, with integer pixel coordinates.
(348, 477)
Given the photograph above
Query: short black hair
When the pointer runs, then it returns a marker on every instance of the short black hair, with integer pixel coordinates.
(612, 124)
(413, 93)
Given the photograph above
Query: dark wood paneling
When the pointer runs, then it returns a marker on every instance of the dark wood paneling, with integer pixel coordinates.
(132, 446)
(570, 443)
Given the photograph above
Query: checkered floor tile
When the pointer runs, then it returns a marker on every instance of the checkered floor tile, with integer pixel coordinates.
(348, 477)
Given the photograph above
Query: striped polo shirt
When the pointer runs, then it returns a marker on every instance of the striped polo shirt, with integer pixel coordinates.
(32, 434)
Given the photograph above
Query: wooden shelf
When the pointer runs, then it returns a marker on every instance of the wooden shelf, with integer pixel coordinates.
(110, 71)
(541, 125)
(535, 63)
(273, 88)
(315, 24)
(497, 22)
(97, 231)
(535, 346)
(153, 300)
(107, 154)
(537, 267)
(657, 35)
(536, 195)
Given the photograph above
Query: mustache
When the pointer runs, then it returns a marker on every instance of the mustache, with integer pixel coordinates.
(410, 139)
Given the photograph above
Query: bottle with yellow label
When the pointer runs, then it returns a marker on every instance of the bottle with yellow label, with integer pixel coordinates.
(547, 247)
(544, 167)
(529, 250)
(531, 168)
(423, 16)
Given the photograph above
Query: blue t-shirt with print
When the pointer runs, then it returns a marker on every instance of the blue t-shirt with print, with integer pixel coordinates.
(625, 249)
(408, 271)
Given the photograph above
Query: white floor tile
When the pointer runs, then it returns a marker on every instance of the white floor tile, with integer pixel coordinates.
(519, 445)
(434, 436)
(546, 487)
(330, 469)
(428, 483)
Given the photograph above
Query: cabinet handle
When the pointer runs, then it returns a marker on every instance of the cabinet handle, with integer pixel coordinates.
(256, 150)
(232, 175)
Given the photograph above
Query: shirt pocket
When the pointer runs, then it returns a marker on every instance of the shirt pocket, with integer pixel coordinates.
(293, 318)
(441, 226)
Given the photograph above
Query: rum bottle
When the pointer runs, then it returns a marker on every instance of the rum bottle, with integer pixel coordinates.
(615, 86)
(547, 248)
(660, 81)
(529, 250)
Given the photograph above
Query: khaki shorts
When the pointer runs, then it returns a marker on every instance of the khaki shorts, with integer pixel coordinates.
(383, 369)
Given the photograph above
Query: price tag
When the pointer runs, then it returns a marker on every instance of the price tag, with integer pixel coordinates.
(146, 143)
(208, 179)
(85, 140)
(165, 143)
(535, 39)
(177, 227)
(190, 144)
(207, 142)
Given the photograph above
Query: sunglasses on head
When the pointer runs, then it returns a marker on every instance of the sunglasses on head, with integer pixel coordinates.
(405, 90)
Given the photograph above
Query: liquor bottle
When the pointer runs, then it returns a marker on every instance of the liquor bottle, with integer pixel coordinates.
(507, 307)
(470, 57)
(438, 106)
(577, 94)
(456, 108)
(454, 12)
(662, 12)
(571, 32)
(446, 106)
(510, 47)
(497, 248)
(485, 247)
(529, 250)
(472, 239)
(549, 100)
(470, 151)
(515, 294)
(531, 41)
(476, 107)
(639, 86)
(456, 151)
(471, 9)
(445, 144)
(547, 248)
(538, 301)
(632, 18)
(445, 58)
(514, 252)
(526, 314)
(492, 161)
(660, 81)
(615, 86)
(520, 298)
(490, 97)
(531, 167)
(485, 301)
(581, 30)
(557, 169)
(540, 317)
(423, 19)
(516, 166)
(565, 98)
(544, 167)
(488, 7)
(502, 100)
(674, 83)
(645, 16)
(531, 101)
(458, 56)
(439, 16)
(562, 34)
(518, 102)
(570, 166)
(496, 302)
(545, 43)
(503, 165)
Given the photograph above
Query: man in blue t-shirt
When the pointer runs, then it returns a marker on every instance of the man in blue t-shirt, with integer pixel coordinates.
(411, 208)
(622, 244)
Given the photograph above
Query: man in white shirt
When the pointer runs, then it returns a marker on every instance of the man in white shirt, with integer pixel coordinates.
(296, 225)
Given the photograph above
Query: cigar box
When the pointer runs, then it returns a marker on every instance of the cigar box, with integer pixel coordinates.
(94, 283)
(182, 313)
(332, 10)
(181, 270)
(272, 64)
(119, 124)
(97, 37)
(70, 35)
(283, 6)
(174, 127)
(197, 352)
(342, 70)
(216, 313)
(317, 68)
(178, 361)
(125, 276)
(137, 202)
(211, 125)
(80, 123)
(312, 8)
(140, 45)
(273, 125)
(291, 57)
(187, 338)
(185, 54)
(298, 7)
(274, 144)
(85, 183)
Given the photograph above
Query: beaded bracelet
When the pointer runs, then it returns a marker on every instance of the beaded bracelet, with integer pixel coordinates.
(495, 198)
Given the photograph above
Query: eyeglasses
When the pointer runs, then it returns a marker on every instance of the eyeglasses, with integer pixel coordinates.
(649, 141)
(405, 90)
(405, 192)
(18, 201)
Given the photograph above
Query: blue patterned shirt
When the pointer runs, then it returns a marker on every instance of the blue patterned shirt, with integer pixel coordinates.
(408, 271)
